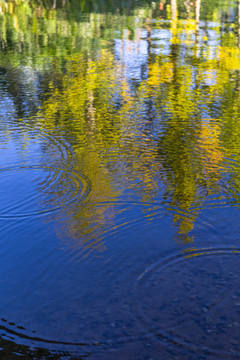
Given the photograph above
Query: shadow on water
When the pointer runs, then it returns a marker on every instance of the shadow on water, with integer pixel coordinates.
(10, 350)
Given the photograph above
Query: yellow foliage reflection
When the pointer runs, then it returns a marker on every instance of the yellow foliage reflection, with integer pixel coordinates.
(158, 127)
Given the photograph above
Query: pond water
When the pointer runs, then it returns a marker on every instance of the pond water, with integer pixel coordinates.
(120, 180)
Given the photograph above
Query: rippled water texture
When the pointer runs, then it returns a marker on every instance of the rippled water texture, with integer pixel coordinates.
(119, 180)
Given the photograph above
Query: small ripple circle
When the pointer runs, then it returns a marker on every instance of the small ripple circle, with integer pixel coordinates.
(192, 300)
(37, 190)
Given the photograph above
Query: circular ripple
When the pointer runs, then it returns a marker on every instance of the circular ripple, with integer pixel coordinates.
(63, 152)
(192, 299)
(53, 147)
(11, 331)
(36, 190)
(26, 146)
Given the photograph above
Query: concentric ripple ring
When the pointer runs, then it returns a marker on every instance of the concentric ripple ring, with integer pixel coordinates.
(192, 299)
(37, 190)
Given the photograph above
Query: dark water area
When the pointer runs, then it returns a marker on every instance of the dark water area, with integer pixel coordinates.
(120, 180)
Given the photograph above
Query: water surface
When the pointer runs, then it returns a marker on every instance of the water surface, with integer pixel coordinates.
(120, 180)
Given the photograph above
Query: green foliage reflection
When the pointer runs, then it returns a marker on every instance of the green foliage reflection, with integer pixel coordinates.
(169, 133)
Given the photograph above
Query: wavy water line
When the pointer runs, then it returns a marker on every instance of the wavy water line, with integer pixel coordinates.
(61, 347)
(216, 206)
(156, 205)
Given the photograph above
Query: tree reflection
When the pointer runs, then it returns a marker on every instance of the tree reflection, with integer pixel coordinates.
(166, 134)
